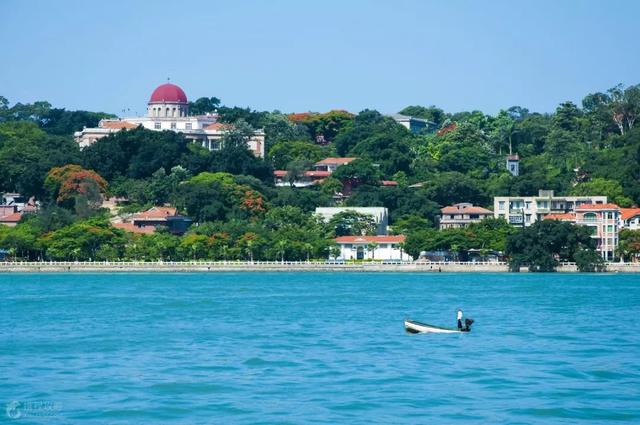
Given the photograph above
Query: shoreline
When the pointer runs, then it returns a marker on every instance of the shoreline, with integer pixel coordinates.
(276, 266)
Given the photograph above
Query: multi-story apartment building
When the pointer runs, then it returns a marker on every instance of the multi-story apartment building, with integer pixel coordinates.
(461, 215)
(603, 220)
(526, 210)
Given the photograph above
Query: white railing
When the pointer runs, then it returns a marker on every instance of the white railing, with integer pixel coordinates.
(241, 263)
(238, 263)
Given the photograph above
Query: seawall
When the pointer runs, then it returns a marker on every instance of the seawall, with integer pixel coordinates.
(276, 266)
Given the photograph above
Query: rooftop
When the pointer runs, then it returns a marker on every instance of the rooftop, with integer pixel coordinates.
(155, 213)
(627, 213)
(597, 207)
(465, 208)
(11, 218)
(116, 124)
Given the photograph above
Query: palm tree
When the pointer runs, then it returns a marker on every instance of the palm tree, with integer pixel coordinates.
(308, 247)
(371, 246)
(281, 244)
(250, 249)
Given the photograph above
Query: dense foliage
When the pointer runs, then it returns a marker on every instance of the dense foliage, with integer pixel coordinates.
(592, 148)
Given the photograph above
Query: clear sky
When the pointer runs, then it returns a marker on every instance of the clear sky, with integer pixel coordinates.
(297, 56)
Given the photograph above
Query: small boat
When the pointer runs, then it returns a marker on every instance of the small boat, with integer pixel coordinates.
(414, 327)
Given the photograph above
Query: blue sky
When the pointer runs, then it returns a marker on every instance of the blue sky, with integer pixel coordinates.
(299, 56)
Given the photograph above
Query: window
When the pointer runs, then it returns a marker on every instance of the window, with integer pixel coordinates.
(187, 126)
(156, 125)
(173, 126)
(527, 205)
(527, 218)
(610, 228)
(501, 205)
(590, 217)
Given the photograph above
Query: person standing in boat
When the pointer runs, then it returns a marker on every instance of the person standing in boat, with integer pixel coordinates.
(460, 319)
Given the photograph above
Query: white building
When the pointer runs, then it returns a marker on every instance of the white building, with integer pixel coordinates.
(630, 218)
(168, 109)
(372, 248)
(413, 124)
(513, 164)
(380, 215)
(519, 210)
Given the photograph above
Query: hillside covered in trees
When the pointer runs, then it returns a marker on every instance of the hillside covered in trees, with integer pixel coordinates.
(592, 148)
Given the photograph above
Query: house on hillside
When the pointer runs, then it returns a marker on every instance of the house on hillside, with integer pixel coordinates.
(168, 110)
(149, 221)
(413, 124)
(320, 171)
(630, 218)
(461, 215)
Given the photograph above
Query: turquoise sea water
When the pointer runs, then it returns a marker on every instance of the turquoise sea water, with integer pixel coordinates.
(318, 348)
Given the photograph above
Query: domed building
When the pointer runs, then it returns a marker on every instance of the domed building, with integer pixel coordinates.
(168, 109)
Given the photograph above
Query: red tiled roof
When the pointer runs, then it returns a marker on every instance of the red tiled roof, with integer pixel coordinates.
(561, 216)
(335, 160)
(627, 213)
(454, 209)
(11, 218)
(598, 207)
(155, 213)
(369, 239)
(130, 227)
(220, 126)
(389, 183)
(280, 173)
(117, 125)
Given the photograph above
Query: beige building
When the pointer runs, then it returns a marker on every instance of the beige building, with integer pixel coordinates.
(526, 210)
(603, 222)
(168, 109)
(461, 215)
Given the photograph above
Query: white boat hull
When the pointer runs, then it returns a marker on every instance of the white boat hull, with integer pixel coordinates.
(417, 327)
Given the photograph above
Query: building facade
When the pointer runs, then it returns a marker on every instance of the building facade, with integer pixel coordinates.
(413, 124)
(461, 215)
(321, 170)
(168, 109)
(372, 248)
(630, 218)
(526, 210)
(602, 220)
(513, 164)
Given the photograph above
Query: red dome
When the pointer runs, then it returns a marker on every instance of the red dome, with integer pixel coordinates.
(168, 93)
